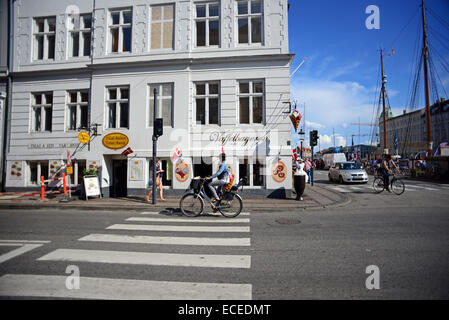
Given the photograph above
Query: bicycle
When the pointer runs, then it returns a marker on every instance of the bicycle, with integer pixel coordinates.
(230, 204)
(396, 185)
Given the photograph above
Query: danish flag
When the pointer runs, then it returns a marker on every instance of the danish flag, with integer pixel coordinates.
(177, 154)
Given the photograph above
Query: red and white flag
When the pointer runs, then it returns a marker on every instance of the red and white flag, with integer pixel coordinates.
(177, 154)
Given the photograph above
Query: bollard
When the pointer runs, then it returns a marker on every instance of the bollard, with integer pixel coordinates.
(64, 183)
(42, 188)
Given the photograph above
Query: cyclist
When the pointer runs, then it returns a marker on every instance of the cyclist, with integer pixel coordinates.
(222, 176)
(386, 169)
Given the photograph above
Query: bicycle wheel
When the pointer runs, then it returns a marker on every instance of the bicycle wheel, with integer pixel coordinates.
(231, 208)
(398, 186)
(191, 205)
(378, 185)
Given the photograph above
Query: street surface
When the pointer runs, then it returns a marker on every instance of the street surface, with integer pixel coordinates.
(308, 254)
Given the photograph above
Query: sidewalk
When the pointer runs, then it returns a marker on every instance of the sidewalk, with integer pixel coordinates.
(314, 198)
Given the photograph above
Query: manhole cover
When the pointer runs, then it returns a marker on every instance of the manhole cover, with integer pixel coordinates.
(288, 221)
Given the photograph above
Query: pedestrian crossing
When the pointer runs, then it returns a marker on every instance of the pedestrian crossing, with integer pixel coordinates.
(150, 228)
(368, 188)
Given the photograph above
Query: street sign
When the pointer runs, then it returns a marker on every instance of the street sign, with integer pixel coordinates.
(69, 170)
(84, 137)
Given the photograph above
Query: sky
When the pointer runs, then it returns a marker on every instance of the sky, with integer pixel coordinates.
(339, 82)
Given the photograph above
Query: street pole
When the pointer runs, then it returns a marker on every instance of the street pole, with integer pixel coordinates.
(311, 168)
(154, 146)
(383, 101)
(301, 148)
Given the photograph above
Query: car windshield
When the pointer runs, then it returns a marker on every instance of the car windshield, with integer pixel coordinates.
(349, 166)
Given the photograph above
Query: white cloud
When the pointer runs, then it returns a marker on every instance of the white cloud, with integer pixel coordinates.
(327, 141)
(314, 125)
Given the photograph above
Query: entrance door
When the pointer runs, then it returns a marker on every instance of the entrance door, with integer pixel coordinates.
(119, 178)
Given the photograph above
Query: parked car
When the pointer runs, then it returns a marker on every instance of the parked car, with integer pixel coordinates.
(347, 172)
(331, 158)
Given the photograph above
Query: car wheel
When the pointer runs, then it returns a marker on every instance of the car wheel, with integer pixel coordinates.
(340, 180)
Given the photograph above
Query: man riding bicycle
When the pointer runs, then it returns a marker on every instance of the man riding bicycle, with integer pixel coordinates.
(222, 176)
(386, 169)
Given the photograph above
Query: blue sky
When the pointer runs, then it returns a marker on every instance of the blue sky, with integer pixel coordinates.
(338, 81)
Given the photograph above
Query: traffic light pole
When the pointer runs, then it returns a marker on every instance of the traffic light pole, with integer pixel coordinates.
(154, 146)
(311, 169)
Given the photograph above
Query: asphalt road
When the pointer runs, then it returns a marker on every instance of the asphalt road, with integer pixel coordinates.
(313, 254)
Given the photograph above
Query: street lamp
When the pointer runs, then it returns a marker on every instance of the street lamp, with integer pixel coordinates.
(301, 138)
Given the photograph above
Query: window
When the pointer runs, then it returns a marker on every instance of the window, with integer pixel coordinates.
(251, 101)
(79, 36)
(41, 110)
(44, 31)
(164, 103)
(207, 97)
(253, 170)
(117, 103)
(77, 109)
(207, 24)
(162, 27)
(36, 169)
(120, 27)
(250, 21)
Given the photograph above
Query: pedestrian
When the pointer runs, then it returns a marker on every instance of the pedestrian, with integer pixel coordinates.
(308, 169)
(159, 172)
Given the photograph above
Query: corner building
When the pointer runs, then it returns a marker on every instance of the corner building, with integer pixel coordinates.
(221, 70)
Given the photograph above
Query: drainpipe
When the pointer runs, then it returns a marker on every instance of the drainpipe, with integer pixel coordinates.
(7, 106)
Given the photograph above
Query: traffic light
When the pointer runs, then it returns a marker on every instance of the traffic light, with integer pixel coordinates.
(314, 138)
(158, 129)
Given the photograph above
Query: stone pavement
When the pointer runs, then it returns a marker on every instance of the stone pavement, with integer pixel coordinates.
(314, 198)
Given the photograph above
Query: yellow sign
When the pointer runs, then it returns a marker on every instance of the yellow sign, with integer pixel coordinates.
(115, 140)
(83, 137)
(69, 170)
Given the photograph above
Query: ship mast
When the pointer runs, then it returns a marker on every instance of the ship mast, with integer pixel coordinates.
(426, 83)
(383, 101)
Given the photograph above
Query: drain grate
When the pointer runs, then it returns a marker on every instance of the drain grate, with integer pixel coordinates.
(288, 221)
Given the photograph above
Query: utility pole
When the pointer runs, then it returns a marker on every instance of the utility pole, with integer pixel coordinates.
(426, 82)
(154, 146)
(383, 101)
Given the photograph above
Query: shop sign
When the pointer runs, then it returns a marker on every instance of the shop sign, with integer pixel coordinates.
(182, 171)
(115, 140)
(229, 137)
(279, 171)
(84, 137)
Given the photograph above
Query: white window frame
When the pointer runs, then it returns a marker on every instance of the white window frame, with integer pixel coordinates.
(251, 95)
(80, 29)
(120, 28)
(78, 104)
(207, 19)
(45, 34)
(42, 106)
(249, 17)
(159, 102)
(117, 102)
(206, 97)
(39, 171)
(162, 21)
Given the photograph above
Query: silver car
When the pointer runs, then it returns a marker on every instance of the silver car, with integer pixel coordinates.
(347, 172)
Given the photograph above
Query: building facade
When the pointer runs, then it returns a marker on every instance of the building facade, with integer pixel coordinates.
(220, 70)
(4, 19)
(409, 130)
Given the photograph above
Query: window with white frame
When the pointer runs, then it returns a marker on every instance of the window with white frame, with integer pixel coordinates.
(41, 111)
(251, 101)
(250, 21)
(77, 109)
(80, 35)
(207, 23)
(253, 170)
(44, 32)
(36, 169)
(120, 29)
(164, 106)
(207, 101)
(162, 27)
(117, 105)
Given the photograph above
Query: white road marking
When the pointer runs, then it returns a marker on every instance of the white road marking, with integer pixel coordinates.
(24, 246)
(23, 285)
(150, 258)
(192, 241)
(194, 220)
(167, 215)
(146, 227)
(340, 189)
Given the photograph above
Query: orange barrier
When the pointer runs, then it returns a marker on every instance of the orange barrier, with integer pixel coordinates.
(49, 180)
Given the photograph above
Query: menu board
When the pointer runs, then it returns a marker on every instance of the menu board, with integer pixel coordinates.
(92, 186)
(136, 170)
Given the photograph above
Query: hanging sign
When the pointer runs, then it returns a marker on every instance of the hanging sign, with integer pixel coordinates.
(69, 170)
(182, 171)
(84, 137)
(279, 171)
(115, 140)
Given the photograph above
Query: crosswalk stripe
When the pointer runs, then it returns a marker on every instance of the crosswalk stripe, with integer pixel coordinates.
(192, 241)
(24, 285)
(166, 215)
(340, 189)
(194, 220)
(147, 227)
(150, 258)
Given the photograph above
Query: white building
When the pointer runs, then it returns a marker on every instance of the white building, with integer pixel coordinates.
(222, 73)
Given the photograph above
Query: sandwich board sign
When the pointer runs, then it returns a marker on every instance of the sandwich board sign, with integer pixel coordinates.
(92, 186)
